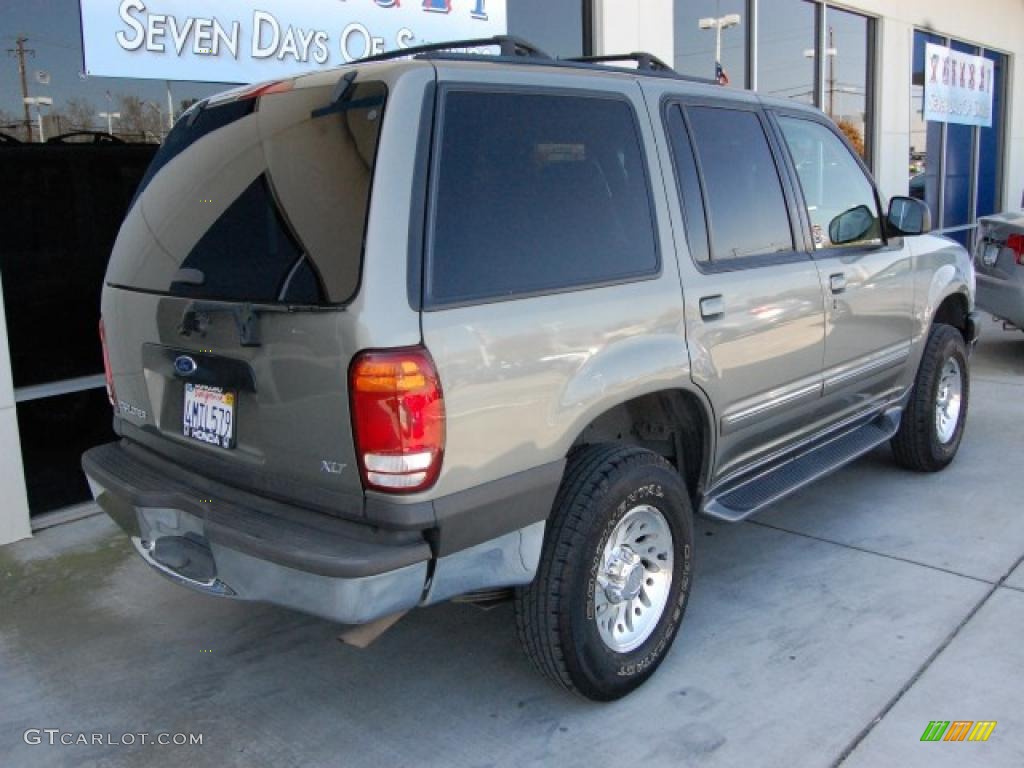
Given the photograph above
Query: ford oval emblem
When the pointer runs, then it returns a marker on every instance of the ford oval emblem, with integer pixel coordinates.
(185, 365)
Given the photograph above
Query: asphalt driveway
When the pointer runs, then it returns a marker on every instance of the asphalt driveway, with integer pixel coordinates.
(830, 630)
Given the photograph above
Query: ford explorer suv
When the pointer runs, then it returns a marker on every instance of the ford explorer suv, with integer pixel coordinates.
(449, 324)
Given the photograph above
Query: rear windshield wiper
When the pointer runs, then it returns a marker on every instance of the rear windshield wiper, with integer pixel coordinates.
(196, 318)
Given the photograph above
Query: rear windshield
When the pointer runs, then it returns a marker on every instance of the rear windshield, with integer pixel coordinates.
(293, 235)
(192, 126)
(276, 269)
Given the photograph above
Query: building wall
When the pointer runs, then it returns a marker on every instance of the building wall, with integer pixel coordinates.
(14, 522)
(623, 26)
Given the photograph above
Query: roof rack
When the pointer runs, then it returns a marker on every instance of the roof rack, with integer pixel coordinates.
(516, 49)
(645, 61)
(510, 46)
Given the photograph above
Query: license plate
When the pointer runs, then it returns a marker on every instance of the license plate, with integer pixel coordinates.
(990, 255)
(209, 415)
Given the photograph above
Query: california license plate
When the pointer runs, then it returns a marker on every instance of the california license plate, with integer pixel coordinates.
(209, 415)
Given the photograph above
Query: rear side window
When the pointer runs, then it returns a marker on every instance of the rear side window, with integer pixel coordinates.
(537, 193)
(275, 268)
(746, 208)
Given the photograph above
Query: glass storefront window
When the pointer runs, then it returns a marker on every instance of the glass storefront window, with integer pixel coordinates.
(847, 52)
(925, 137)
(556, 28)
(695, 47)
(956, 169)
(957, 175)
(787, 49)
(810, 52)
(138, 109)
(990, 144)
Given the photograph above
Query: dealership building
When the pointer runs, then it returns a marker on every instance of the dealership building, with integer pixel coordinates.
(103, 80)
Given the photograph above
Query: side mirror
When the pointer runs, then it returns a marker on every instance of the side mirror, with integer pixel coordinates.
(908, 216)
(853, 226)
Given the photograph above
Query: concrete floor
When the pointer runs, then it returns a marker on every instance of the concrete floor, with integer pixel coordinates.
(829, 631)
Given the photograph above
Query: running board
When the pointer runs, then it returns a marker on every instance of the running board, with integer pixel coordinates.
(742, 498)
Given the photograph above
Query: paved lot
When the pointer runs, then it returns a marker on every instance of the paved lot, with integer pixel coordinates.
(831, 630)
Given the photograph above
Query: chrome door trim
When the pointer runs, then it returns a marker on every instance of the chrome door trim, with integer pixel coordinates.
(890, 357)
(761, 407)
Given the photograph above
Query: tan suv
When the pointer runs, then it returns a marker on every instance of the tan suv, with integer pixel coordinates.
(454, 323)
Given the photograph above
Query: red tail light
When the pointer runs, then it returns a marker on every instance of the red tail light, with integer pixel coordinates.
(397, 418)
(106, 366)
(1016, 244)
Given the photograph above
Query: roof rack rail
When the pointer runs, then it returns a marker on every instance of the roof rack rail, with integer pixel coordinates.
(509, 44)
(645, 61)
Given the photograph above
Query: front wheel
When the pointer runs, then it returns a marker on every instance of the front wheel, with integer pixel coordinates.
(933, 423)
(614, 575)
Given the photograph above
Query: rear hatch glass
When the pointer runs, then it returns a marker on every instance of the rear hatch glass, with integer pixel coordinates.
(221, 159)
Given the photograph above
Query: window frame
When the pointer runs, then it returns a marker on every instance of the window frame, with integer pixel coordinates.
(431, 303)
(789, 192)
(888, 240)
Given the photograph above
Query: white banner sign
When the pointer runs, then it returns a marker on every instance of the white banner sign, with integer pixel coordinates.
(239, 41)
(957, 87)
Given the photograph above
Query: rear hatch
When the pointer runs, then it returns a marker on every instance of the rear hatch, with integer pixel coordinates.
(228, 301)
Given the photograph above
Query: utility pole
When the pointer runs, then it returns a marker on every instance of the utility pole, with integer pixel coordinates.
(832, 53)
(170, 108)
(20, 52)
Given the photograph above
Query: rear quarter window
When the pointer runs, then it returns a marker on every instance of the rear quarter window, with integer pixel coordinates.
(536, 193)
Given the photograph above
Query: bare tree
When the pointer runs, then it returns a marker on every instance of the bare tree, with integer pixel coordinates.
(81, 114)
(140, 120)
(9, 122)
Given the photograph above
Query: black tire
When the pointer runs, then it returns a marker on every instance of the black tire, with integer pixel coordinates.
(554, 614)
(917, 444)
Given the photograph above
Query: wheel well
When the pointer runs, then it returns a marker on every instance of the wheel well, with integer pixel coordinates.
(672, 423)
(953, 311)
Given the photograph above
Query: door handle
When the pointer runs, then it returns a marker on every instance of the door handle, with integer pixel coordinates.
(837, 283)
(712, 307)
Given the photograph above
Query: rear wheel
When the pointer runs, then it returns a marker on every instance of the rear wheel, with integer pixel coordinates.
(614, 575)
(933, 423)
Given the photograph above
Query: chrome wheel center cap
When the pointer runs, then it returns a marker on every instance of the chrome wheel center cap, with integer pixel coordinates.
(623, 576)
